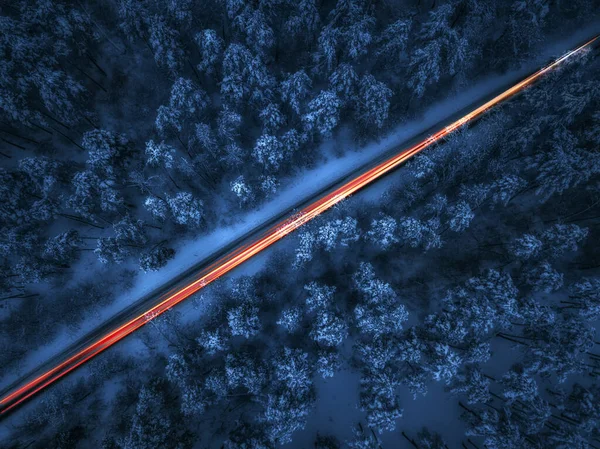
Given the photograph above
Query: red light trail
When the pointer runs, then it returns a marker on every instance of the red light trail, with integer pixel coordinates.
(231, 260)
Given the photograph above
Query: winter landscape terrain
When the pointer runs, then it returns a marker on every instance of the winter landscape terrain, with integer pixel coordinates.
(451, 304)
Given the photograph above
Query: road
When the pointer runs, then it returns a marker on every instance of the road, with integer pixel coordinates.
(208, 270)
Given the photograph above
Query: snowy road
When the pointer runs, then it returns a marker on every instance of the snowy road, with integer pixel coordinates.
(252, 243)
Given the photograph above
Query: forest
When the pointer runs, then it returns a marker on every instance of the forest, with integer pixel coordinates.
(470, 276)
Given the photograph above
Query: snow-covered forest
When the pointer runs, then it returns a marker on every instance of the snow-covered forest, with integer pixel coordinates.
(470, 275)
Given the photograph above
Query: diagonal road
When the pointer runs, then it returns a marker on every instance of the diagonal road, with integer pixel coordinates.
(208, 270)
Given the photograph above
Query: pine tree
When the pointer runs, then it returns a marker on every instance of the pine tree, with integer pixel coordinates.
(443, 51)
(585, 298)
(156, 258)
(323, 113)
(165, 44)
(243, 320)
(383, 232)
(186, 209)
(373, 102)
(295, 89)
(268, 152)
(211, 48)
(393, 41)
(245, 77)
(471, 383)
(159, 154)
(242, 190)
(63, 248)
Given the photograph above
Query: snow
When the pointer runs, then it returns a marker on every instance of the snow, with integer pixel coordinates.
(305, 185)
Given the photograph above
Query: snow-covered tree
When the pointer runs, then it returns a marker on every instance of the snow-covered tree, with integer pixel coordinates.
(443, 362)
(373, 102)
(344, 81)
(472, 384)
(304, 251)
(203, 140)
(393, 41)
(561, 167)
(245, 77)
(149, 429)
(46, 173)
(181, 11)
(560, 238)
(329, 329)
(242, 190)
(292, 140)
(290, 319)
(363, 439)
(352, 25)
(379, 399)
(213, 341)
(497, 428)
(272, 119)
(91, 195)
(476, 194)
(327, 43)
(524, 27)
(253, 25)
(338, 232)
(63, 248)
(525, 247)
(243, 320)
(109, 249)
(165, 45)
(130, 231)
(268, 185)
(323, 113)
(186, 209)
(268, 152)
(585, 298)
(211, 48)
(320, 297)
(410, 231)
(248, 436)
(108, 152)
(430, 440)
(542, 277)
(460, 216)
(379, 311)
(243, 370)
(187, 102)
(421, 166)
(383, 231)
(518, 384)
(304, 23)
(157, 207)
(506, 187)
(592, 134)
(295, 89)
(443, 51)
(293, 369)
(228, 124)
(156, 258)
(159, 154)
(288, 407)
(556, 346)
(328, 362)
(471, 312)
(286, 412)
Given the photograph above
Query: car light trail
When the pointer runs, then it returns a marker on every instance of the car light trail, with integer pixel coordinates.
(272, 235)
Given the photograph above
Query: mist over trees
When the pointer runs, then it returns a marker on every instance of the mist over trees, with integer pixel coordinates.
(128, 125)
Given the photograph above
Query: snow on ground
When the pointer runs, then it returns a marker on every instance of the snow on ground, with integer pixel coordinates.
(190, 251)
